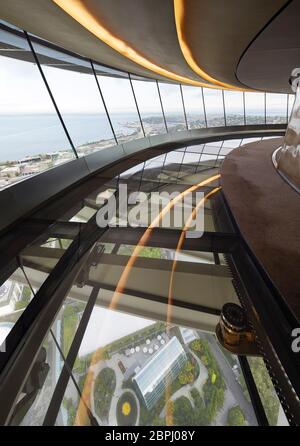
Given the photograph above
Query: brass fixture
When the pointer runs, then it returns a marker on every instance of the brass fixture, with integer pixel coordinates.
(234, 333)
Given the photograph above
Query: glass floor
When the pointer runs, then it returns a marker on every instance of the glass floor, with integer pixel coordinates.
(133, 340)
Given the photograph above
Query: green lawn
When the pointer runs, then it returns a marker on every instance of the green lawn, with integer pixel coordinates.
(70, 320)
(265, 388)
(236, 417)
(104, 388)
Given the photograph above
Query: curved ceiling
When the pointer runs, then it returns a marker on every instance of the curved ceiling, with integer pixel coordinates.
(279, 41)
(217, 32)
(136, 27)
(197, 42)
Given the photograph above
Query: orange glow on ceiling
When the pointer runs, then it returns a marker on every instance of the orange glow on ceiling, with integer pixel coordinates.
(179, 10)
(79, 11)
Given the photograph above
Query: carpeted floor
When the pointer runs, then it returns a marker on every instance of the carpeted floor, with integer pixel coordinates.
(267, 211)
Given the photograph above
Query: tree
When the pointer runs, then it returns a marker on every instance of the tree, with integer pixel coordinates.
(104, 388)
(200, 414)
(183, 412)
(196, 345)
(157, 421)
(169, 413)
(183, 378)
(71, 416)
(190, 377)
(236, 417)
(204, 360)
(189, 366)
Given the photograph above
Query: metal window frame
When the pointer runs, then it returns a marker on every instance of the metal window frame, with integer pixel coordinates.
(244, 107)
(183, 105)
(104, 103)
(224, 111)
(50, 93)
(136, 104)
(162, 107)
(204, 107)
(69, 361)
(287, 108)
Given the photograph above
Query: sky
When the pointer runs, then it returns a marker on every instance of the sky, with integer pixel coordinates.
(22, 91)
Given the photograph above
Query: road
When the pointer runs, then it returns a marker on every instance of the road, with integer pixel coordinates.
(112, 416)
(231, 382)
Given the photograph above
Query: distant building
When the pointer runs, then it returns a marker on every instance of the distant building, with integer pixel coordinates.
(53, 156)
(10, 172)
(32, 169)
(188, 335)
(162, 369)
(30, 159)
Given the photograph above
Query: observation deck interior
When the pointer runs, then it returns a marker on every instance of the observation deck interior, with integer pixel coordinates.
(99, 107)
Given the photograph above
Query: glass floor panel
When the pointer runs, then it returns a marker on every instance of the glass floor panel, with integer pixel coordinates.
(132, 342)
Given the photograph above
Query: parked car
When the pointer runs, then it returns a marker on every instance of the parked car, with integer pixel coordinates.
(122, 367)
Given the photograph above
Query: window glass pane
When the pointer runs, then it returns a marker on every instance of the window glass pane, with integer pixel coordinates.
(55, 349)
(234, 107)
(117, 367)
(215, 143)
(193, 106)
(174, 157)
(255, 108)
(132, 171)
(149, 105)
(191, 158)
(69, 318)
(225, 150)
(49, 365)
(208, 160)
(276, 108)
(198, 148)
(153, 168)
(155, 162)
(15, 295)
(84, 215)
(214, 107)
(232, 143)
(208, 149)
(121, 107)
(74, 88)
(173, 161)
(172, 104)
(31, 136)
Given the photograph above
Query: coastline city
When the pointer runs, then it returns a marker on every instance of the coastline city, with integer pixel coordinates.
(16, 170)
